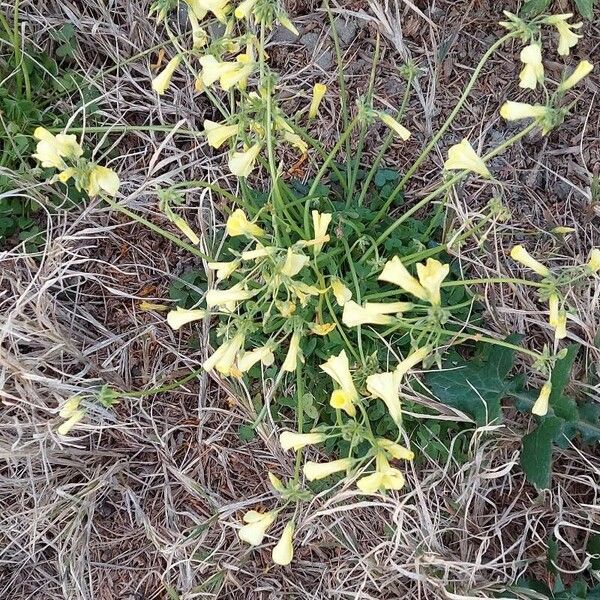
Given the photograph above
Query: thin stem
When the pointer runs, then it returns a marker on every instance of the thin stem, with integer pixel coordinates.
(299, 417)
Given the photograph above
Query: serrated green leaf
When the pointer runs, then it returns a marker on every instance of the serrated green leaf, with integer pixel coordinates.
(586, 8)
(532, 8)
(536, 454)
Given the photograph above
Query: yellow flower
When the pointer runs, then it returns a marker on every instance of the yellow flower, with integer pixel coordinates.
(341, 293)
(283, 552)
(259, 251)
(102, 178)
(395, 272)
(533, 71)
(242, 163)
(149, 306)
(238, 76)
(553, 304)
(285, 308)
(65, 175)
(594, 260)
(223, 358)
(227, 298)
(217, 134)
(395, 450)
(540, 407)
(431, 276)
(402, 132)
(322, 328)
(521, 255)
(276, 482)
(303, 291)
(162, 81)
(291, 359)
(560, 331)
(212, 69)
(412, 360)
(181, 316)
(584, 68)
(388, 308)
(321, 222)
(295, 441)
(284, 20)
(244, 9)
(238, 224)
(71, 422)
(256, 526)
(70, 407)
(202, 7)
(65, 146)
(224, 269)
(385, 387)
(384, 478)
(199, 36)
(338, 368)
(264, 354)
(566, 38)
(355, 315)
(295, 140)
(512, 111)
(294, 263)
(313, 471)
(462, 157)
(183, 226)
(319, 90)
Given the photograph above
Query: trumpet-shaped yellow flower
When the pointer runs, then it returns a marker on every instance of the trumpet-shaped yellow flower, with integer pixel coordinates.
(256, 526)
(384, 478)
(238, 224)
(290, 363)
(70, 407)
(179, 317)
(294, 263)
(462, 157)
(213, 70)
(553, 304)
(341, 400)
(321, 222)
(217, 133)
(227, 298)
(238, 76)
(319, 90)
(259, 251)
(355, 315)
(264, 354)
(102, 178)
(66, 427)
(242, 163)
(283, 552)
(314, 471)
(533, 71)
(395, 450)
(385, 386)
(340, 292)
(388, 308)
(290, 440)
(201, 8)
(65, 175)
(223, 358)
(513, 111)
(244, 9)
(199, 36)
(540, 407)
(224, 269)
(560, 330)
(338, 368)
(162, 81)
(322, 328)
(431, 275)
(584, 68)
(521, 255)
(276, 482)
(183, 226)
(285, 307)
(150, 306)
(567, 39)
(412, 360)
(395, 272)
(402, 132)
(291, 137)
(594, 260)
(51, 148)
(303, 291)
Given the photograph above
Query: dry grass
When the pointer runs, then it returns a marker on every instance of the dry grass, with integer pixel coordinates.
(142, 502)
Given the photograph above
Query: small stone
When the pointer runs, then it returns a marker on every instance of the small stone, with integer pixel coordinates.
(346, 30)
(281, 35)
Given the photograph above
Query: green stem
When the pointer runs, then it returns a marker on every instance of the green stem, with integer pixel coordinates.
(165, 387)
(299, 417)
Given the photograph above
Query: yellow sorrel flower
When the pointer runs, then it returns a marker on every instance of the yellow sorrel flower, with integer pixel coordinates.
(149, 306)
(388, 308)
(540, 408)
(431, 275)
(213, 70)
(462, 157)
(75, 417)
(263, 354)
(256, 526)
(384, 478)
(412, 360)
(319, 90)
(513, 111)
(199, 36)
(283, 552)
(560, 331)
(341, 293)
(223, 358)
(70, 407)
(183, 226)
(181, 316)
(395, 450)
(227, 298)
(259, 252)
(162, 81)
(533, 71)
(385, 387)
(224, 269)
(338, 368)
(239, 75)
(285, 308)
(521, 255)
(51, 149)
(296, 441)
(102, 178)
(322, 328)
(594, 260)
(402, 132)
(584, 68)
(553, 305)
(314, 471)
(201, 8)
(238, 224)
(566, 38)
(303, 291)
(294, 263)
(321, 222)
(290, 363)
(244, 9)
(242, 163)
(355, 315)
(395, 272)
(217, 133)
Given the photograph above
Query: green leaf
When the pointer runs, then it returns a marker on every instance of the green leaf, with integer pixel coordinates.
(561, 374)
(532, 8)
(246, 433)
(586, 8)
(536, 454)
(593, 547)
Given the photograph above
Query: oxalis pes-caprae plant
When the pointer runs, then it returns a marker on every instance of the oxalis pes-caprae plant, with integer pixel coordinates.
(302, 291)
